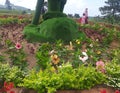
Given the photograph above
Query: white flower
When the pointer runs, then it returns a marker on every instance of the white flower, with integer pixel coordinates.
(91, 45)
(84, 58)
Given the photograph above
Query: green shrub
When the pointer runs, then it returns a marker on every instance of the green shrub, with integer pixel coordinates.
(11, 74)
(66, 77)
(113, 75)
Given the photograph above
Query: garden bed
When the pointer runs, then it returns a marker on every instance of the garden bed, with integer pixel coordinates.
(96, 89)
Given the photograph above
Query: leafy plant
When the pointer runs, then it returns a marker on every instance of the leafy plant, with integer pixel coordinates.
(11, 74)
(17, 56)
(113, 75)
(42, 55)
(66, 77)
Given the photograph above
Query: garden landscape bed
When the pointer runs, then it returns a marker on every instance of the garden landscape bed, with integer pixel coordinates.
(86, 65)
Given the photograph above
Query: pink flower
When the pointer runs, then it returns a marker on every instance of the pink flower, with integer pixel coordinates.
(18, 46)
(100, 66)
(100, 63)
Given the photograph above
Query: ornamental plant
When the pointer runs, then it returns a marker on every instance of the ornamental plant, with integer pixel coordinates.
(10, 74)
(66, 77)
(113, 74)
(17, 55)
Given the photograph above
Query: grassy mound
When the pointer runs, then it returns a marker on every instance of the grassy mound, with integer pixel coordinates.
(53, 29)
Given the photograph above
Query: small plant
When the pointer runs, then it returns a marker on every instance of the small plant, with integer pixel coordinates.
(17, 56)
(43, 57)
(10, 74)
(113, 75)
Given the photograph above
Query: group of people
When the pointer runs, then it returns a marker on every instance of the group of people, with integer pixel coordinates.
(84, 18)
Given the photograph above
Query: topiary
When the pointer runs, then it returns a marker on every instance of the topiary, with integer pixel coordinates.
(59, 28)
(62, 28)
(53, 14)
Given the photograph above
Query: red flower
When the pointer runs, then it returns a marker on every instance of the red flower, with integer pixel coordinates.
(103, 91)
(117, 91)
(12, 91)
(18, 46)
(8, 85)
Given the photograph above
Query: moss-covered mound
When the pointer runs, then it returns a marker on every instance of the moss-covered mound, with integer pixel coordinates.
(53, 29)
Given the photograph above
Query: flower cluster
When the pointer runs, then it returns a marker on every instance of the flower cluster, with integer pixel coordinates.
(55, 59)
(7, 87)
(100, 66)
(105, 91)
(84, 57)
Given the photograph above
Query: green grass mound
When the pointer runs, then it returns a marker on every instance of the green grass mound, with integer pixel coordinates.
(53, 29)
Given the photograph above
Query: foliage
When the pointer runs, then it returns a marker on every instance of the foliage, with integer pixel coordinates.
(115, 55)
(11, 74)
(11, 19)
(113, 74)
(42, 56)
(17, 56)
(111, 10)
(66, 77)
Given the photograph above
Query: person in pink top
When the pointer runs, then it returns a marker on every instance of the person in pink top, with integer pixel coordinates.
(84, 18)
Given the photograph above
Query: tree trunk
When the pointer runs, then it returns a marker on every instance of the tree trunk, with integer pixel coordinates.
(37, 14)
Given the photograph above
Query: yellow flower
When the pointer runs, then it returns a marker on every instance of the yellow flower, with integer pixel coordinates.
(78, 41)
(55, 59)
(98, 52)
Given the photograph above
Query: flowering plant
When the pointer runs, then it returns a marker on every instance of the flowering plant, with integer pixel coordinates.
(100, 66)
(7, 87)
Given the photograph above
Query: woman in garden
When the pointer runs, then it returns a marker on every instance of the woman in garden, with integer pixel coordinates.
(84, 19)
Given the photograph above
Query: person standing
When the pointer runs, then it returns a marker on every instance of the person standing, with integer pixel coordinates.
(83, 19)
(86, 16)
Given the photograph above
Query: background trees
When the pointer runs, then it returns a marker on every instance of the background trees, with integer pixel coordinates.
(111, 10)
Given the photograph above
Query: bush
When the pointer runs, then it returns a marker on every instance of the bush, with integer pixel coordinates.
(66, 77)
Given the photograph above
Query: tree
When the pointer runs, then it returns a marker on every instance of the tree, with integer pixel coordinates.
(111, 10)
(39, 6)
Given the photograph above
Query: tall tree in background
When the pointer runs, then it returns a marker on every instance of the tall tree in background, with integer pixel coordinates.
(111, 10)
(37, 14)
